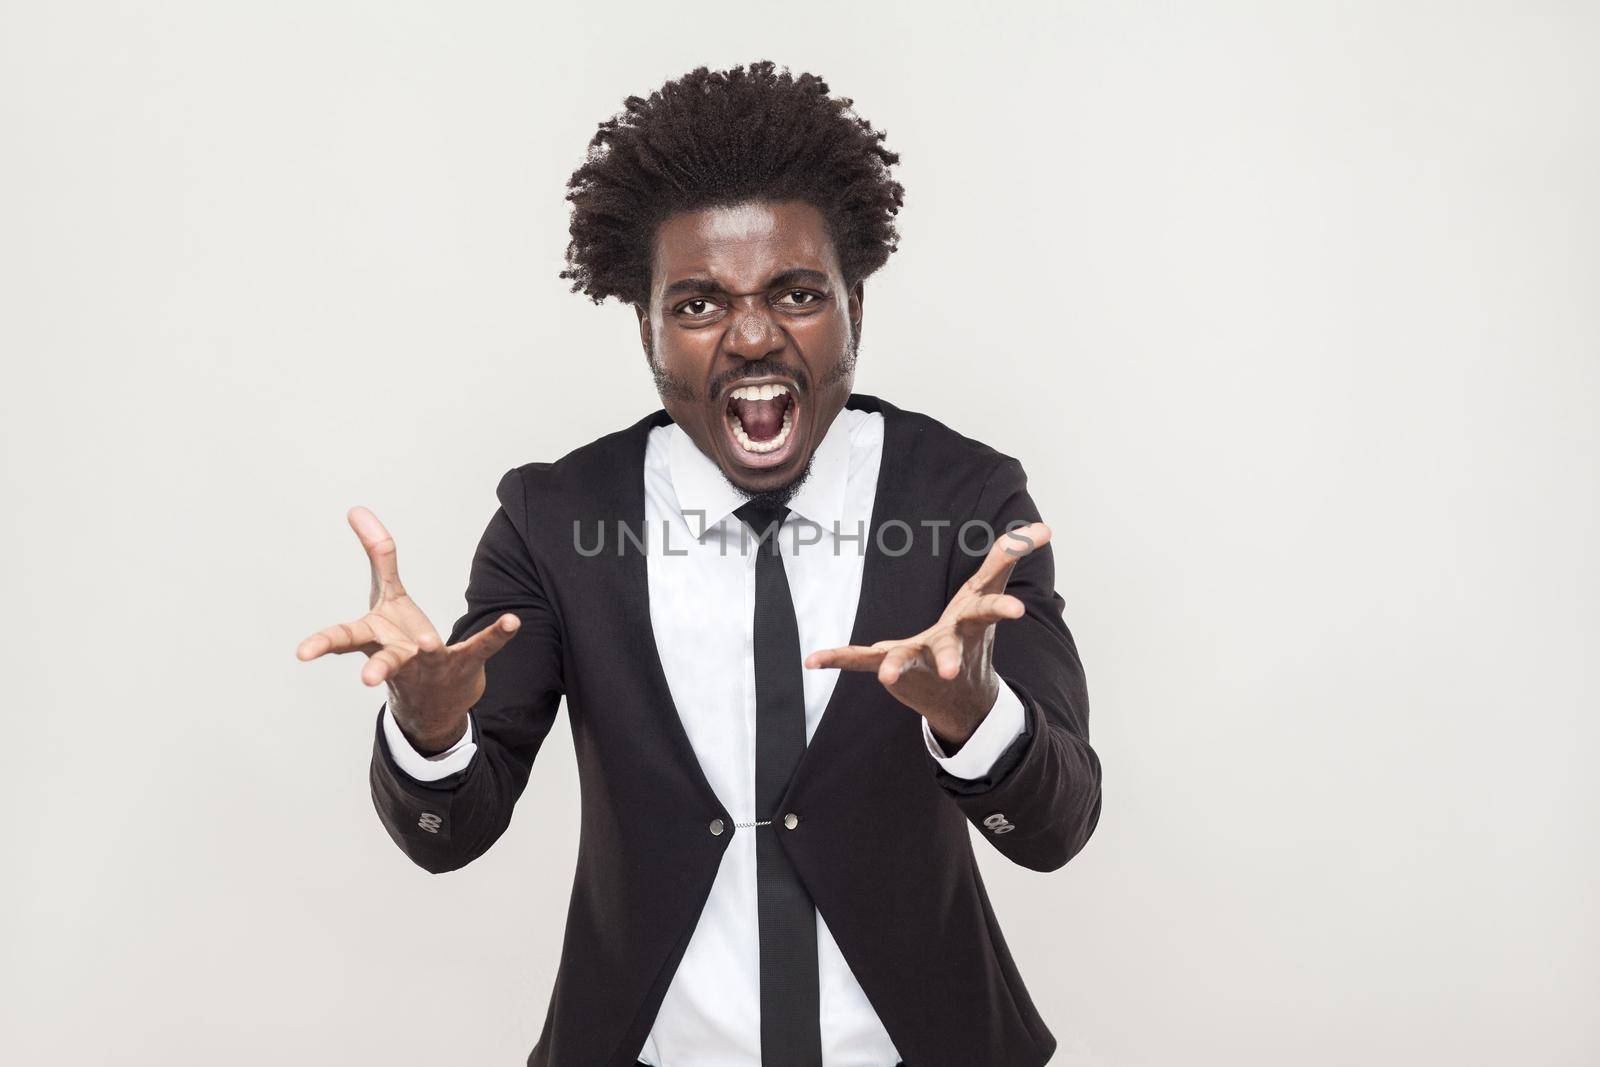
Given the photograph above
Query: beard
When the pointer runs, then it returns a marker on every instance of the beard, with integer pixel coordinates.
(670, 387)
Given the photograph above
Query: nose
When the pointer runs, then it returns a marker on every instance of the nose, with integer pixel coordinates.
(753, 334)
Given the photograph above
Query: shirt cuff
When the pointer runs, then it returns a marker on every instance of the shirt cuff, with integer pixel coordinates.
(1004, 723)
(427, 768)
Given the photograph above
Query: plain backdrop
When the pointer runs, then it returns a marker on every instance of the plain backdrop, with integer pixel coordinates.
(1288, 309)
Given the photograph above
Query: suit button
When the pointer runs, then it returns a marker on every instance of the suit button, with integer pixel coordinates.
(999, 824)
(716, 827)
(790, 821)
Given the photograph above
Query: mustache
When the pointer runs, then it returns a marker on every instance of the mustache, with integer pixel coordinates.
(759, 369)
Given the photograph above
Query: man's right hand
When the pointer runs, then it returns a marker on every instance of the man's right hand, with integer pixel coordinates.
(431, 685)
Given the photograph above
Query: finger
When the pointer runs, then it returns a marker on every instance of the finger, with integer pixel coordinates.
(384, 664)
(338, 639)
(408, 618)
(381, 553)
(989, 609)
(491, 639)
(430, 648)
(899, 660)
(847, 658)
(429, 643)
(945, 649)
(995, 571)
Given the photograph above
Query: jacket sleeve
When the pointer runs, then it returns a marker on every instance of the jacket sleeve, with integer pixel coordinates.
(445, 824)
(1040, 802)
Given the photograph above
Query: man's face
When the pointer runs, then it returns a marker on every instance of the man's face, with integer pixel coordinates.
(751, 336)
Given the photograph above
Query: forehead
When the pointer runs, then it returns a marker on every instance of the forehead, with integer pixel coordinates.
(742, 245)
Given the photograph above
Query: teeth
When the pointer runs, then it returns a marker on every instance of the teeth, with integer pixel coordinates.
(760, 392)
(760, 446)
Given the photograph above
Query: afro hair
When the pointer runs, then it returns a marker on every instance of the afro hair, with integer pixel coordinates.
(714, 138)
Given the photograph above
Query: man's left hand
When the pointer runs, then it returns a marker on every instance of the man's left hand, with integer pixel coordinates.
(946, 672)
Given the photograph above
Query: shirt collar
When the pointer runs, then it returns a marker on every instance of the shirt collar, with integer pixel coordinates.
(706, 497)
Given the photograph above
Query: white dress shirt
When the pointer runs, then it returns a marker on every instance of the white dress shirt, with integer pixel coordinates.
(701, 567)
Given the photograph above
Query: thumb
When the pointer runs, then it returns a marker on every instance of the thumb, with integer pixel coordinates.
(492, 638)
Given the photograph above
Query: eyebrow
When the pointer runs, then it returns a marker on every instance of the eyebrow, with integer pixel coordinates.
(792, 276)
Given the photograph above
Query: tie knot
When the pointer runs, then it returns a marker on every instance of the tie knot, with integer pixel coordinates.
(763, 519)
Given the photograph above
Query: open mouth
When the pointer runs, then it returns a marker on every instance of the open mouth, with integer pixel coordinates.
(761, 422)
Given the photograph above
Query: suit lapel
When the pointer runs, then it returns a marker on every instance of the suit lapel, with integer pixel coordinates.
(878, 614)
(620, 503)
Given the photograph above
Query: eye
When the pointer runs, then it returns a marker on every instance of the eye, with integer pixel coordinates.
(799, 298)
(696, 308)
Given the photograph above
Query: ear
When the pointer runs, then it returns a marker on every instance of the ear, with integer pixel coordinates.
(644, 329)
(858, 296)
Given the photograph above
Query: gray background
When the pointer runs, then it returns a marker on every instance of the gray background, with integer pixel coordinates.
(1289, 310)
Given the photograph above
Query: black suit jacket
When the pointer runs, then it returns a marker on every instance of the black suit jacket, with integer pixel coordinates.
(882, 844)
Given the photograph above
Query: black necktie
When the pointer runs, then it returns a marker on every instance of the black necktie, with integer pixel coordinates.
(791, 1030)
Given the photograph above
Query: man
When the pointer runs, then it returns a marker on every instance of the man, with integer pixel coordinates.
(805, 638)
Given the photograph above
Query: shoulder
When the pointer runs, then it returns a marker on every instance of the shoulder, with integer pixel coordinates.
(935, 450)
(594, 478)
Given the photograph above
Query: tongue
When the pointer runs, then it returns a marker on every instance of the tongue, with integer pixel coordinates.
(762, 419)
